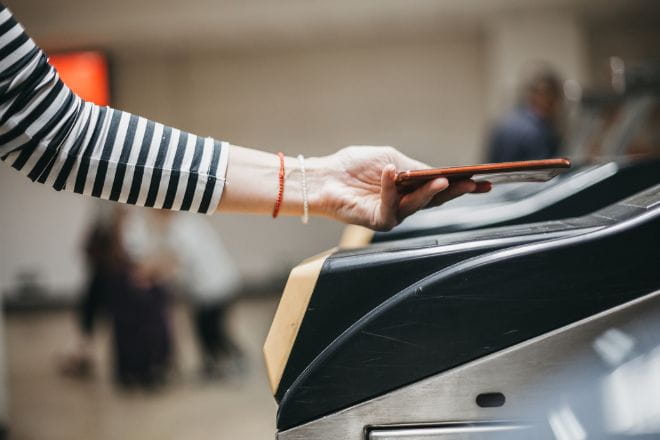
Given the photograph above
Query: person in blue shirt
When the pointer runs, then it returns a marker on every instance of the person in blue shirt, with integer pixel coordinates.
(530, 131)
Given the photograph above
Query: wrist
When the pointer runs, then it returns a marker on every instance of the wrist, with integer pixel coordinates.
(294, 197)
(316, 173)
(253, 183)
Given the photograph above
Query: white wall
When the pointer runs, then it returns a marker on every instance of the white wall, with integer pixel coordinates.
(41, 231)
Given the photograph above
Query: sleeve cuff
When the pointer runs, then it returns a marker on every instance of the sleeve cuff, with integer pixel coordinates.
(220, 177)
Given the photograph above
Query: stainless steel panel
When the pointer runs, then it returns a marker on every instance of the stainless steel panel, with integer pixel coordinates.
(526, 374)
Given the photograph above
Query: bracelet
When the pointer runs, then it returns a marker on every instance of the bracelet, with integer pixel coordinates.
(280, 192)
(305, 216)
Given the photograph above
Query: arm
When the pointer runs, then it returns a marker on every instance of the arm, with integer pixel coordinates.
(56, 138)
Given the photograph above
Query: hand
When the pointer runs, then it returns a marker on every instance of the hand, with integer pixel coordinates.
(357, 186)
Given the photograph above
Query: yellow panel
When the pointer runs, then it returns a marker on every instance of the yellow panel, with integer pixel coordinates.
(289, 315)
(355, 236)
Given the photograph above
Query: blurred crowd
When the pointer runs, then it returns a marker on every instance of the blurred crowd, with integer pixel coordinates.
(138, 260)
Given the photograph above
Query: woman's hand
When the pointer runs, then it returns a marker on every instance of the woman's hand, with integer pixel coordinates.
(357, 185)
(354, 185)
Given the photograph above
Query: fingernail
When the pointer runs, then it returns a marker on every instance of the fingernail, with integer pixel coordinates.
(441, 183)
(484, 186)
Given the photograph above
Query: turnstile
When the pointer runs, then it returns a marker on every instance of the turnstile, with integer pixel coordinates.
(477, 334)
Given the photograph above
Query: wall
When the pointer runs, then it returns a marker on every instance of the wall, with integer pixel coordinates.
(41, 232)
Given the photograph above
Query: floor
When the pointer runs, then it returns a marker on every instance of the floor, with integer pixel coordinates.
(44, 405)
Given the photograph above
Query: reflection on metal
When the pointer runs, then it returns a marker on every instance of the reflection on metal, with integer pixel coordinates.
(565, 424)
(614, 346)
(536, 377)
(630, 396)
(485, 431)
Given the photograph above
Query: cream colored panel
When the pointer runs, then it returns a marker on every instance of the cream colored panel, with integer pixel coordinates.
(355, 236)
(289, 315)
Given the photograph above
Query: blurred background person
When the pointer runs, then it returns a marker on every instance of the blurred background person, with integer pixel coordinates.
(207, 274)
(530, 131)
(142, 339)
(106, 260)
(128, 277)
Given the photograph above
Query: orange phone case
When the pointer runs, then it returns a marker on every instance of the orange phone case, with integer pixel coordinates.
(523, 171)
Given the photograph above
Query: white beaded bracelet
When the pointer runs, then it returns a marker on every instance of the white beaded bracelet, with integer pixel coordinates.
(305, 216)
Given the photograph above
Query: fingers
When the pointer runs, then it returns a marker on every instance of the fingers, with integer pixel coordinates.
(389, 198)
(456, 189)
(421, 197)
(394, 206)
(483, 187)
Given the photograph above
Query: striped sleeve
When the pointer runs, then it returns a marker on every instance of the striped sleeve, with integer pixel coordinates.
(56, 138)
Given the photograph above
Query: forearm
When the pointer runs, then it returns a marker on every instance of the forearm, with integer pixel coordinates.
(252, 183)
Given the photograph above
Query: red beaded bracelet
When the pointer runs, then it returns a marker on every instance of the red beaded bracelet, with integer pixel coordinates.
(280, 192)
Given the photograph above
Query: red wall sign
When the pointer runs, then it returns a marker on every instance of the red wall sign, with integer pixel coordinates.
(86, 73)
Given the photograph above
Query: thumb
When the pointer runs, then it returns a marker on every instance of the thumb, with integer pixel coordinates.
(389, 198)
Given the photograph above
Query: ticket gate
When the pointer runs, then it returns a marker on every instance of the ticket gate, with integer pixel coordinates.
(460, 336)
(585, 190)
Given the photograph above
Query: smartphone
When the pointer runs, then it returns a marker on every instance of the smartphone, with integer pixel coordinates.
(503, 172)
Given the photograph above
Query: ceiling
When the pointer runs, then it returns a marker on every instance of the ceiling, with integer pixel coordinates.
(176, 25)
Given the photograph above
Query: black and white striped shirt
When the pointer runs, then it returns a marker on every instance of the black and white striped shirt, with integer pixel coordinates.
(56, 138)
